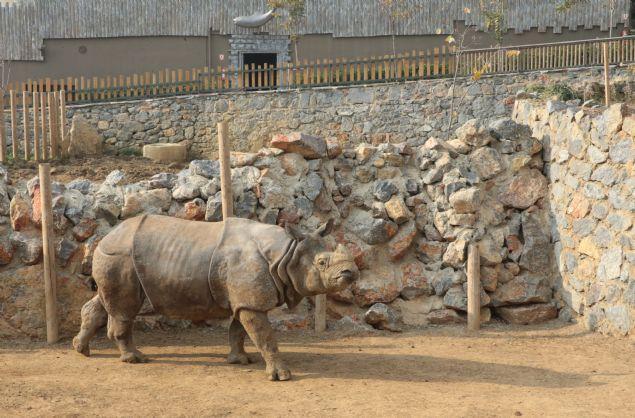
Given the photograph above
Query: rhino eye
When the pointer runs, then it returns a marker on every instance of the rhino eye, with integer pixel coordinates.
(322, 262)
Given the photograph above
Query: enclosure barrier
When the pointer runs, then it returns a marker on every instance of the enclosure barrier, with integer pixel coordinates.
(42, 117)
(442, 62)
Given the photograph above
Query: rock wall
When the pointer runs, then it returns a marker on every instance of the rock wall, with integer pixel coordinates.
(406, 212)
(412, 111)
(590, 154)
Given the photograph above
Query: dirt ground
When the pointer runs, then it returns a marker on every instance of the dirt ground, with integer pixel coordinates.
(93, 168)
(503, 371)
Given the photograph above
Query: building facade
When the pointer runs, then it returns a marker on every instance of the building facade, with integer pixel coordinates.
(70, 38)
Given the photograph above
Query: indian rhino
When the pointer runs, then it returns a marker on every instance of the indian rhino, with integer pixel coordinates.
(202, 270)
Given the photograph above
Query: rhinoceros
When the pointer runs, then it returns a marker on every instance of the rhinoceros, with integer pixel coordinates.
(237, 268)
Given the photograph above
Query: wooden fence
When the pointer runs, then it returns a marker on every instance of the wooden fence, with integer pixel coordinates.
(42, 117)
(435, 63)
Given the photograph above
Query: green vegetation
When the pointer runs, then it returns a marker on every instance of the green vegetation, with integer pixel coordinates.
(130, 152)
(560, 90)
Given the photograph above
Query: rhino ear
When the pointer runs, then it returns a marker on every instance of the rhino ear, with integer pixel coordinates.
(327, 228)
(294, 232)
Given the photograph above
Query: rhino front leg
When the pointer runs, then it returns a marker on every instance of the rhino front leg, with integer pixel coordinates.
(237, 335)
(259, 330)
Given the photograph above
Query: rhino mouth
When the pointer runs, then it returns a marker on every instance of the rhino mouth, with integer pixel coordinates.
(346, 277)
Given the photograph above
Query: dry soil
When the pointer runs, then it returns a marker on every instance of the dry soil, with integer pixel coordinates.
(503, 371)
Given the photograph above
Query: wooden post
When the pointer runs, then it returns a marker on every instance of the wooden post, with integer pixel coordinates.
(14, 124)
(36, 127)
(224, 148)
(3, 133)
(607, 84)
(50, 277)
(320, 313)
(44, 131)
(25, 124)
(62, 122)
(473, 288)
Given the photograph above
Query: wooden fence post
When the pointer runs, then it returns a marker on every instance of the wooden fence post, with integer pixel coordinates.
(607, 84)
(320, 313)
(25, 124)
(14, 124)
(36, 127)
(473, 288)
(3, 132)
(63, 134)
(50, 276)
(224, 148)
(44, 131)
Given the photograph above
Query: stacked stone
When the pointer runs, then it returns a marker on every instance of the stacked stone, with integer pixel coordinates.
(590, 158)
(406, 212)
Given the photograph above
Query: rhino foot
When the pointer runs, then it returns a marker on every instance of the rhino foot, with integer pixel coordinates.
(81, 348)
(133, 357)
(278, 372)
(238, 358)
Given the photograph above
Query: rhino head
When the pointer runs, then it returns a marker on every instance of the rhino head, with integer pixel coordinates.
(317, 270)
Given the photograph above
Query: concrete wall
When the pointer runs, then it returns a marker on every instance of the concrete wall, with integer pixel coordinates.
(114, 56)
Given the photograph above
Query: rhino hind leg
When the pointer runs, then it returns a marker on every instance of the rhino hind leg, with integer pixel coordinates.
(259, 330)
(94, 317)
(237, 335)
(121, 332)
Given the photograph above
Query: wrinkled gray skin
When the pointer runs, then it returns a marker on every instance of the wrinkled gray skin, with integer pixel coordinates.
(200, 270)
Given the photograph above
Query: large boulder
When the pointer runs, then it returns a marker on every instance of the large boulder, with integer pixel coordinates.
(522, 289)
(524, 189)
(310, 147)
(84, 138)
(528, 314)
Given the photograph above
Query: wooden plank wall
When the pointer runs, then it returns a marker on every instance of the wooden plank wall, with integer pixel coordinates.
(25, 25)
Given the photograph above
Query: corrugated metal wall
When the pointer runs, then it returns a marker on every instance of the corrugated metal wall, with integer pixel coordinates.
(25, 24)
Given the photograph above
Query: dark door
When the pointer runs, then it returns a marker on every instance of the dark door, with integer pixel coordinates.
(260, 73)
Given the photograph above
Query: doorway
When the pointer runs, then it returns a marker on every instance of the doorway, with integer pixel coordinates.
(258, 77)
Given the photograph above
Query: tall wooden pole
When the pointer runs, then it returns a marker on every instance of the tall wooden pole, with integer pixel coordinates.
(14, 124)
(607, 84)
(37, 155)
(44, 137)
(50, 277)
(473, 288)
(3, 132)
(224, 149)
(25, 124)
(50, 98)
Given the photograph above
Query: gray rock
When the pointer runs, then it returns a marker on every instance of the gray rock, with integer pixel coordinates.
(76, 202)
(474, 133)
(162, 181)
(304, 206)
(596, 156)
(81, 185)
(605, 174)
(619, 318)
(629, 294)
(245, 205)
(524, 288)
(599, 210)
(584, 226)
(115, 178)
(486, 162)
(372, 231)
(381, 316)
(64, 250)
(594, 191)
(442, 280)
(206, 168)
(106, 208)
(30, 247)
(269, 216)
(619, 222)
(506, 128)
(383, 190)
(214, 211)
(623, 152)
(210, 188)
(537, 250)
(186, 191)
(610, 264)
(312, 186)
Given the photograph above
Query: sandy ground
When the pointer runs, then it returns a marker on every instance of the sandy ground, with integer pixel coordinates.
(93, 168)
(542, 371)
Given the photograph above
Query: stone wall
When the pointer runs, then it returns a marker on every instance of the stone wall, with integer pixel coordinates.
(590, 154)
(407, 213)
(412, 111)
